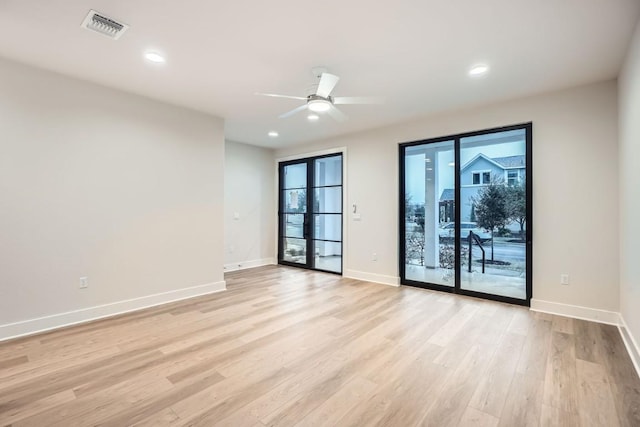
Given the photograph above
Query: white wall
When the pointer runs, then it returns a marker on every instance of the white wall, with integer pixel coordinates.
(99, 183)
(629, 94)
(249, 190)
(575, 198)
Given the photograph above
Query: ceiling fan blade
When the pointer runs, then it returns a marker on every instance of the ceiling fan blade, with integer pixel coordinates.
(358, 100)
(274, 95)
(292, 112)
(336, 114)
(326, 85)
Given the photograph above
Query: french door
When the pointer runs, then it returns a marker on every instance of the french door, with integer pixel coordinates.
(465, 214)
(310, 213)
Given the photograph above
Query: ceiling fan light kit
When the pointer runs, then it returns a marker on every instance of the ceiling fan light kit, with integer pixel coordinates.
(319, 105)
(321, 101)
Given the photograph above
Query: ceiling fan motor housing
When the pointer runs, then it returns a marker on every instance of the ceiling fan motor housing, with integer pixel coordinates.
(314, 97)
(319, 104)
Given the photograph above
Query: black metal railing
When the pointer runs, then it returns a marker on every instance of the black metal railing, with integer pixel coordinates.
(472, 237)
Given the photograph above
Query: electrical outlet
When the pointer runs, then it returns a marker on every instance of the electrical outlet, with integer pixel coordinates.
(564, 279)
(84, 282)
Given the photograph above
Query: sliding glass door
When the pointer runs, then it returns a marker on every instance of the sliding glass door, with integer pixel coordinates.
(466, 214)
(310, 213)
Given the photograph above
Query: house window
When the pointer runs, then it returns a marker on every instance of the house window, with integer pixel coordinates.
(481, 177)
(512, 177)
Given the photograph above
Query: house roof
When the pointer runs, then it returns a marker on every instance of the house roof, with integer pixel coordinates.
(501, 162)
(510, 161)
(447, 194)
(480, 156)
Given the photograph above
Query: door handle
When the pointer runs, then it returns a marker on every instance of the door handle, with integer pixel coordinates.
(305, 227)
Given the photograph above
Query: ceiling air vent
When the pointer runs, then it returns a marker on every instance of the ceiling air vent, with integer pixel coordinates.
(103, 25)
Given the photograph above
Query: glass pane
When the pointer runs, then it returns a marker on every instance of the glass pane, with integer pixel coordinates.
(295, 250)
(328, 171)
(328, 200)
(328, 256)
(295, 200)
(430, 211)
(328, 227)
(294, 225)
(494, 212)
(295, 176)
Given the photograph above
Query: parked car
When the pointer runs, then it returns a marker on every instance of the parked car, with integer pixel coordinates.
(447, 232)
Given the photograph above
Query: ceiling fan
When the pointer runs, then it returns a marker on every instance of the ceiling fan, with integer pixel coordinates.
(321, 100)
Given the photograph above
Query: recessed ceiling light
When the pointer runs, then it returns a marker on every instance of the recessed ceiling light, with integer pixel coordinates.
(429, 169)
(313, 117)
(452, 164)
(478, 70)
(273, 134)
(154, 57)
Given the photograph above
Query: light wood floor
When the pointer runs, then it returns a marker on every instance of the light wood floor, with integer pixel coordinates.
(289, 347)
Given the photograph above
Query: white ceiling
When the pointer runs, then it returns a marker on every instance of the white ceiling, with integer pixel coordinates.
(415, 53)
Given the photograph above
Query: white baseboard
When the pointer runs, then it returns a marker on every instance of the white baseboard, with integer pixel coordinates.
(372, 277)
(630, 342)
(241, 265)
(42, 324)
(576, 311)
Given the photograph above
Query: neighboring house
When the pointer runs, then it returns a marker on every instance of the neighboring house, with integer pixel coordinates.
(476, 174)
(447, 205)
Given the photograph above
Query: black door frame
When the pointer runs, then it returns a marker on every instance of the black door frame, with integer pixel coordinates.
(528, 127)
(309, 225)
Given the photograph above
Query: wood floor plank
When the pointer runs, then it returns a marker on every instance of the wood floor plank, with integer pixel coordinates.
(148, 410)
(446, 333)
(562, 324)
(336, 406)
(14, 361)
(586, 336)
(523, 407)
(36, 407)
(560, 386)
(553, 416)
(624, 382)
(448, 406)
(599, 408)
(92, 410)
(475, 418)
(341, 367)
(284, 346)
(491, 394)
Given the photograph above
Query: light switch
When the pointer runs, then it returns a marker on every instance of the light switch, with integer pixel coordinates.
(236, 215)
